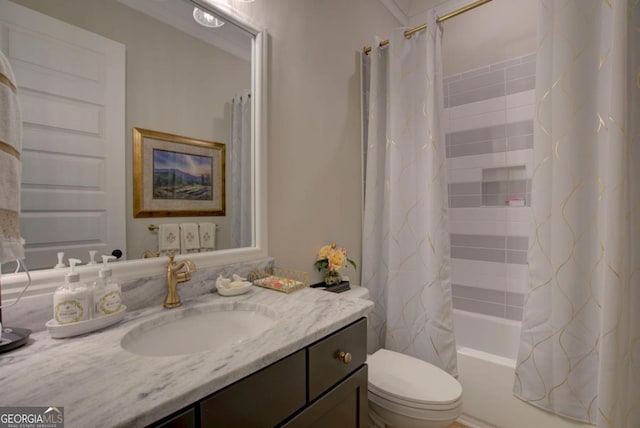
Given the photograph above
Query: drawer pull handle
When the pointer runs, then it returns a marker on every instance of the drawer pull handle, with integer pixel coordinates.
(345, 357)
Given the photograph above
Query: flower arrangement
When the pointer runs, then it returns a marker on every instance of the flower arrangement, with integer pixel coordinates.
(332, 258)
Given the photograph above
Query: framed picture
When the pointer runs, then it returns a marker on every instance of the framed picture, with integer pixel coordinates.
(175, 176)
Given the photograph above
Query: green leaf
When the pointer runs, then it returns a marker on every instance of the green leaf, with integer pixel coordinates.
(321, 264)
(352, 263)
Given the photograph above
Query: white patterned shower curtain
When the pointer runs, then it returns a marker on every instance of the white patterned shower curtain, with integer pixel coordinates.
(240, 158)
(405, 262)
(580, 344)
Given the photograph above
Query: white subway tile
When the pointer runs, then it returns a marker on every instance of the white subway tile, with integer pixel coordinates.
(474, 273)
(464, 175)
(521, 157)
(517, 278)
(518, 214)
(521, 113)
(479, 107)
(483, 214)
(481, 120)
(515, 228)
(477, 227)
(521, 99)
(487, 160)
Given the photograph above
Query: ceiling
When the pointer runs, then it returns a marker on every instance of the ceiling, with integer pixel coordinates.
(405, 10)
(179, 14)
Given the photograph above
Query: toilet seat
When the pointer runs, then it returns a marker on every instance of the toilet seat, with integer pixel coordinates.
(392, 379)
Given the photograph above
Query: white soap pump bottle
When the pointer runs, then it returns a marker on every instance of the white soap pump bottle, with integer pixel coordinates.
(107, 295)
(72, 300)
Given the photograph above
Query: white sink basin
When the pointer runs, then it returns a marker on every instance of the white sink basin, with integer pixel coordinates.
(187, 331)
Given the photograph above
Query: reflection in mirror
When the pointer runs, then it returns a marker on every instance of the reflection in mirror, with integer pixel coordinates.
(88, 73)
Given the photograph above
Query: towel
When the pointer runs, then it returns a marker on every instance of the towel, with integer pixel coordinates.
(207, 236)
(11, 243)
(168, 238)
(189, 238)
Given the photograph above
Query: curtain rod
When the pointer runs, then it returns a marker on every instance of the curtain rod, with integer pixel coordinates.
(440, 19)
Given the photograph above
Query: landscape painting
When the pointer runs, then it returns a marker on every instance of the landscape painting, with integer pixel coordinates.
(181, 176)
(177, 176)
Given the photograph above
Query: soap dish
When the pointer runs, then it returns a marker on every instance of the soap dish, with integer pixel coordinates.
(229, 291)
(60, 331)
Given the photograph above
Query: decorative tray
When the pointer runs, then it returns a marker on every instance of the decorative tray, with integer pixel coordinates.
(280, 279)
(60, 331)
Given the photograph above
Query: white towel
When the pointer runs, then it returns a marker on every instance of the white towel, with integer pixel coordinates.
(207, 236)
(168, 238)
(11, 244)
(189, 238)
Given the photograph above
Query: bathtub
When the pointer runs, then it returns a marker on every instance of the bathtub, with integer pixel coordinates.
(487, 351)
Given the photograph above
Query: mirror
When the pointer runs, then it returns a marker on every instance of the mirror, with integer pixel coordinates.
(179, 78)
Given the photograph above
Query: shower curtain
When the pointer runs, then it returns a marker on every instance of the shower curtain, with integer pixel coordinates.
(405, 262)
(240, 158)
(580, 343)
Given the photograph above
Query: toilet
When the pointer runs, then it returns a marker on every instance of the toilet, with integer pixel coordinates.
(405, 392)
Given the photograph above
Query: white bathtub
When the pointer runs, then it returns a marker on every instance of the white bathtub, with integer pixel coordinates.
(487, 351)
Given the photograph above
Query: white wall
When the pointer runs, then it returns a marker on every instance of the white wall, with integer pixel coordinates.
(314, 109)
(491, 33)
(314, 123)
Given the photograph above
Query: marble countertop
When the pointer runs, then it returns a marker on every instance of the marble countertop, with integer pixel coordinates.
(102, 385)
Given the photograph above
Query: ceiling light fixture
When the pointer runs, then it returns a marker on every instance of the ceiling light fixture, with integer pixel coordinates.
(206, 19)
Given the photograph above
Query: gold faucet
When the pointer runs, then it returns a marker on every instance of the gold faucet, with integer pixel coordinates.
(175, 277)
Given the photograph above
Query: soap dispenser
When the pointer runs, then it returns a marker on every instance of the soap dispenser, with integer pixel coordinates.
(107, 295)
(72, 300)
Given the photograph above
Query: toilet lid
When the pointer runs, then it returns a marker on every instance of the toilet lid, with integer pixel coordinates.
(397, 376)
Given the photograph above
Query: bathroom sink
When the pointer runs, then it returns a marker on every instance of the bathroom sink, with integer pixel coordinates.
(192, 330)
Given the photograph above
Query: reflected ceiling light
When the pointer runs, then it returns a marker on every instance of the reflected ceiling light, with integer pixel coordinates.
(206, 19)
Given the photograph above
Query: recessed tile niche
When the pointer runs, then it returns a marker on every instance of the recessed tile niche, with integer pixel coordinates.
(506, 186)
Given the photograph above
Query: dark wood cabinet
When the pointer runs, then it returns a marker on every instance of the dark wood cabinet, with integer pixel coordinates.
(344, 405)
(322, 385)
(185, 418)
(263, 399)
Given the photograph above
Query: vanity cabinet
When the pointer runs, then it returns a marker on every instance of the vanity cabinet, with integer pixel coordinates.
(322, 385)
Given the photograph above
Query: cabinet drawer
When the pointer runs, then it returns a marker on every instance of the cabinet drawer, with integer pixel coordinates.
(324, 368)
(343, 406)
(263, 399)
(184, 419)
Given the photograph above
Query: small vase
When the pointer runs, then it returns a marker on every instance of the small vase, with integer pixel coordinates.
(332, 277)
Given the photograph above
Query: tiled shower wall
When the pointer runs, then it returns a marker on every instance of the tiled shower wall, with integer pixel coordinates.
(489, 139)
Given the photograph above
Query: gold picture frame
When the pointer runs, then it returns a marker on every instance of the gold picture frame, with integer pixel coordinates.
(176, 176)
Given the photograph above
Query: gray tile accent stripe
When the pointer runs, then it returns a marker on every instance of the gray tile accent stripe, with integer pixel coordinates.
(478, 134)
(481, 241)
(492, 139)
(490, 248)
(495, 146)
(518, 243)
(517, 257)
(490, 193)
(522, 70)
(488, 302)
(478, 293)
(471, 201)
(514, 313)
(515, 299)
(495, 80)
(488, 78)
(468, 188)
(480, 254)
(479, 307)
